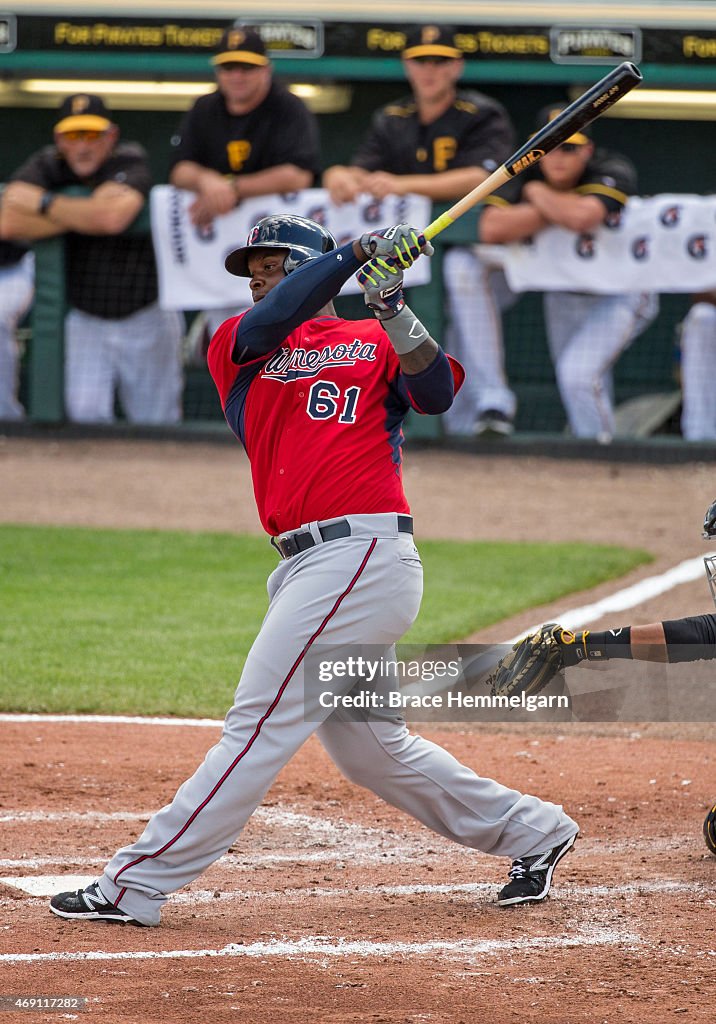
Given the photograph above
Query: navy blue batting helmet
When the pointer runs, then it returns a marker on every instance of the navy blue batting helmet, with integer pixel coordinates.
(302, 239)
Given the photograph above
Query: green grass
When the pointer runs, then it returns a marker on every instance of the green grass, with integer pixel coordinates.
(159, 622)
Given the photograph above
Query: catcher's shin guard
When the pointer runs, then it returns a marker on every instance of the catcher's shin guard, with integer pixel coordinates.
(710, 830)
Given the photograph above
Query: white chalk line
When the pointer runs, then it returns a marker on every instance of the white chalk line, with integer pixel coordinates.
(209, 723)
(325, 946)
(564, 891)
(32, 817)
(39, 886)
(627, 597)
(572, 618)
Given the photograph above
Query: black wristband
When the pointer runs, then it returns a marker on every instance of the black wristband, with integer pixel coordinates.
(613, 643)
(46, 202)
(584, 645)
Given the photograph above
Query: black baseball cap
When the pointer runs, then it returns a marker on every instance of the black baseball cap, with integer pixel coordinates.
(241, 45)
(431, 41)
(548, 113)
(83, 112)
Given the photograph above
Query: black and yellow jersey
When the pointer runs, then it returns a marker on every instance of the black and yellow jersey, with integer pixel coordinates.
(474, 131)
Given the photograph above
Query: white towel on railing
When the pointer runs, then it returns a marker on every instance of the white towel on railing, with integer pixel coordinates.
(664, 243)
(190, 263)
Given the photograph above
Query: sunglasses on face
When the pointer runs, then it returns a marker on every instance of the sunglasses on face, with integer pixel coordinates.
(237, 65)
(82, 134)
(431, 60)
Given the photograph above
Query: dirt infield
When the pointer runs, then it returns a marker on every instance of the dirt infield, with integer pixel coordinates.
(331, 906)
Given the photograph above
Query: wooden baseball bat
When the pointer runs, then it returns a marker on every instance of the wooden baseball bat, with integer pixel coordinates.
(579, 114)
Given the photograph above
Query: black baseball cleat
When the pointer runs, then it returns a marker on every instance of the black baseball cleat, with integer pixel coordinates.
(531, 877)
(710, 830)
(88, 905)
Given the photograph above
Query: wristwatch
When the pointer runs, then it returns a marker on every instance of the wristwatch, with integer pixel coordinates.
(46, 201)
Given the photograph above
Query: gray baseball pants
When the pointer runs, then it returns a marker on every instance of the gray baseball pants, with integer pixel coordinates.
(362, 589)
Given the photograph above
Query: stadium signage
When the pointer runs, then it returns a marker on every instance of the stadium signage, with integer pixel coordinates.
(8, 33)
(359, 40)
(580, 45)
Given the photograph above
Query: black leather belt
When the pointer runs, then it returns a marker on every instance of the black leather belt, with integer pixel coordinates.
(287, 547)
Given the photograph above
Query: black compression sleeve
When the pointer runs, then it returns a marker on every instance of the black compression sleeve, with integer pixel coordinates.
(691, 639)
(297, 298)
(433, 388)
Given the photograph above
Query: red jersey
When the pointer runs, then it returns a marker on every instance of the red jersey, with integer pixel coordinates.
(320, 418)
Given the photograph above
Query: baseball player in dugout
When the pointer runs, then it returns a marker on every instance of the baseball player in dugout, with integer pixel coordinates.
(318, 403)
(116, 336)
(441, 142)
(579, 188)
(250, 137)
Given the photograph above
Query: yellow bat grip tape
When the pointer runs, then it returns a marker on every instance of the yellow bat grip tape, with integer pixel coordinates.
(438, 225)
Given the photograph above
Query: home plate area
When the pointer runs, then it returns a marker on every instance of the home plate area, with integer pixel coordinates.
(333, 907)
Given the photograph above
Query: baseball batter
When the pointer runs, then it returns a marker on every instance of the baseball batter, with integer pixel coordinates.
(318, 403)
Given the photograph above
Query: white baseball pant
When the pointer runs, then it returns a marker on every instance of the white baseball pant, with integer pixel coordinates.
(16, 288)
(139, 355)
(587, 334)
(698, 373)
(476, 295)
(362, 589)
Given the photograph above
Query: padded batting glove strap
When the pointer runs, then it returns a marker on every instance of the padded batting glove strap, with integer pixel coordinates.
(382, 284)
(405, 331)
(400, 242)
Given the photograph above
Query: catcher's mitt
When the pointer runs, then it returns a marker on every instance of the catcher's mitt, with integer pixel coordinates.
(531, 663)
(710, 830)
